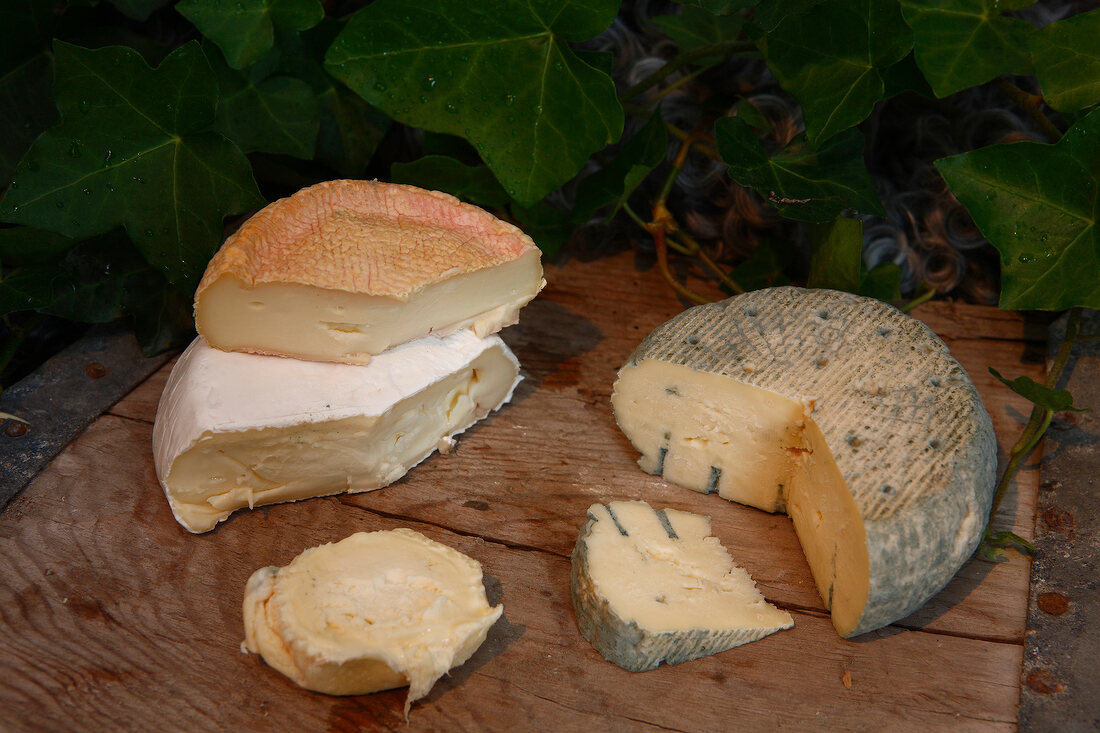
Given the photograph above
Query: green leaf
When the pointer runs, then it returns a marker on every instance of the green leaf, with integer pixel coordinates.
(752, 116)
(963, 43)
(276, 114)
(134, 149)
(102, 276)
(500, 74)
(770, 13)
(29, 246)
(139, 9)
(697, 28)
(1037, 204)
(245, 29)
(765, 268)
(473, 183)
(837, 254)
(905, 76)
(994, 544)
(26, 288)
(615, 182)
(1066, 55)
(1055, 400)
(719, 7)
(26, 109)
(883, 282)
(801, 182)
(547, 225)
(831, 58)
(163, 318)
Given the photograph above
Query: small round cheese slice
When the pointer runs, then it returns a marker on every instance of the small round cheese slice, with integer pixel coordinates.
(843, 412)
(375, 611)
(346, 269)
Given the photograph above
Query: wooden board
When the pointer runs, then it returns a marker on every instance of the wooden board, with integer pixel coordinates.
(113, 616)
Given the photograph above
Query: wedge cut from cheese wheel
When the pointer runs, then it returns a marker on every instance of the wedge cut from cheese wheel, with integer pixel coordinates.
(652, 586)
(372, 612)
(839, 410)
(344, 270)
(237, 430)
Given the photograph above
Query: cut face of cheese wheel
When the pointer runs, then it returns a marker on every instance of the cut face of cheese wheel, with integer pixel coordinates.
(652, 586)
(238, 430)
(375, 611)
(839, 410)
(344, 270)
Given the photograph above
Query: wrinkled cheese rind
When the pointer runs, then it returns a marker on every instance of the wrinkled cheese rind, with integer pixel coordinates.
(897, 417)
(238, 430)
(375, 611)
(345, 269)
(653, 586)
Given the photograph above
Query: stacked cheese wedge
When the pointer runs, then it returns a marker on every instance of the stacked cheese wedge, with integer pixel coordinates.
(345, 333)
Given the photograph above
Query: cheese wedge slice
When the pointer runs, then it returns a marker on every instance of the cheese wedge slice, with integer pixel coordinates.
(652, 586)
(238, 430)
(344, 270)
(839, 410)
(375, 611)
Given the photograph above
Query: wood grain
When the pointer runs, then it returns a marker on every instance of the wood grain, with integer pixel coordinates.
(114, 617)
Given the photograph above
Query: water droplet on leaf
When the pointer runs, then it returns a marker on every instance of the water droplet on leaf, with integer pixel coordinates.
(83, 106)
(451, 108)
(87, 192)
(379, 86)
(59, 204)
(148, 232)
(1026, 258)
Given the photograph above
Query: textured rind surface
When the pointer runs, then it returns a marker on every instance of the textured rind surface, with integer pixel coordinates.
(905, 424)
(212, 391)
(367, 237)
(626, 643)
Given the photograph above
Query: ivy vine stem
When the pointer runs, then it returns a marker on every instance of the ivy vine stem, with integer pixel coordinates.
(1039, 421)
(1030, 105)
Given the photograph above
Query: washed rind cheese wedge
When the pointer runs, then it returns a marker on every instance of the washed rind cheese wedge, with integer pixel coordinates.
(237, 430)
(652, 586)
(344, 270)
(839, 410)
(375, 611)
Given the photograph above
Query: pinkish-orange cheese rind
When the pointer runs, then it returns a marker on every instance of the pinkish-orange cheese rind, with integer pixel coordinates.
(367, 237)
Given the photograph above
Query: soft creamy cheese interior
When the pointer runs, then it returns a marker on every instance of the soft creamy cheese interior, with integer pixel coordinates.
(320, 324)
(755, 447)
(839, 410)
(374, 611)
(238, 430)
(653, 585)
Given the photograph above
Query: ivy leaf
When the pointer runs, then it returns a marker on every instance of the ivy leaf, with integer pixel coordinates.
(801, 182)
(615, 182)
(1037, 204)
(764, 268)
(719, 7)
(26, 109)
(831, 57)
(882, 282)
(960, 44)
(245, 29)
(499, 74)
(276, 114)
(770, 13)
(1055, 400)
(163, 318)
(134, 149)
(473, 183)
(547, 225)
(30, 246)
(697, 28)
(1066, 55)
(837, 248)
(26, 288)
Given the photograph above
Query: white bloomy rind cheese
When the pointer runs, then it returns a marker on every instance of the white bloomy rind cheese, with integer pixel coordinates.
(237, 430)
(843, 412)
(652, 586)
(375, 611)
(344, 270)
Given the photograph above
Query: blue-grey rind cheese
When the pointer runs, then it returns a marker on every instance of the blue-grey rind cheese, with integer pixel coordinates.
(840, 410)
(652, 586)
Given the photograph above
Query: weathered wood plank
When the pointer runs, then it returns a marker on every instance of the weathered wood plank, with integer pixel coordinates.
(123, 616)
(110, 611)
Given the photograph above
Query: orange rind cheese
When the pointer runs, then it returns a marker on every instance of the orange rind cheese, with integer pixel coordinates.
(346, 269)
